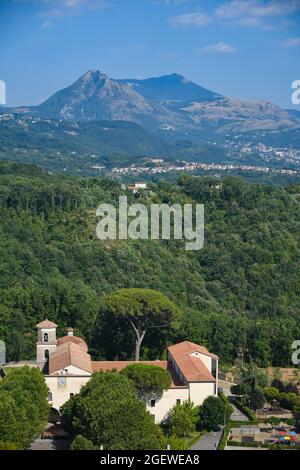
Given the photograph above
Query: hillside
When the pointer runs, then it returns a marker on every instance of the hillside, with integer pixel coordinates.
(240, 292)
(99, 137)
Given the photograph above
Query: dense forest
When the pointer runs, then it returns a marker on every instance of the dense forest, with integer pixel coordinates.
(238, 295)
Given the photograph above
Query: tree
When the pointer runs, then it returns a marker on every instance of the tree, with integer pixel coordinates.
(107, 412)
(145, 310)
(149, 381)
(212, 413)
(24, 407)
(238, 389)
(183, 419)
(271, 394)
(82, 443)
(277, 383)
(256, 399)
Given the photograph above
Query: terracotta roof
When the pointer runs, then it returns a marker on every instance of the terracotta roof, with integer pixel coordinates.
(119, 365)
(188, 347)
(192, 367)
(73, 339)
(70, 354)
(46, 324)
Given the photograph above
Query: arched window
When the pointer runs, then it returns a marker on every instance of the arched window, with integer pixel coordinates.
(46, 337)
(46, 353)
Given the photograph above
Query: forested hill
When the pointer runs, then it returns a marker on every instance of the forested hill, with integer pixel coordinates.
(240, 292)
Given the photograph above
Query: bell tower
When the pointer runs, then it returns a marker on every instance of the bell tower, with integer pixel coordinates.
(46, 341)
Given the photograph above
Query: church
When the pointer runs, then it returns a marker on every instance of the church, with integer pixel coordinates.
(67, 366)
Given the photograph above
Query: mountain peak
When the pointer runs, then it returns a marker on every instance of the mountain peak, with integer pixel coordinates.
(92, 75)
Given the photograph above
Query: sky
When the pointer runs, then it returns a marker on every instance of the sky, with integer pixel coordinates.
(247, 49)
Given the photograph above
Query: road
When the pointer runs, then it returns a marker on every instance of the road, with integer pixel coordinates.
(237, 415)
(208, 442)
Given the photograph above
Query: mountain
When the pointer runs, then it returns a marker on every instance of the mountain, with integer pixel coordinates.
(171, 88)
(165, 104)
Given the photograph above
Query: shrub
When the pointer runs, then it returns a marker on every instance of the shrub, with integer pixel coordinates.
(212, 413)
(7, 445)
(183, 419)
(82, 443)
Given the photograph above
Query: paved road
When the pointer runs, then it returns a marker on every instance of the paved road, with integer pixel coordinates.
(237, 415)
(208, 442)
(50, 444)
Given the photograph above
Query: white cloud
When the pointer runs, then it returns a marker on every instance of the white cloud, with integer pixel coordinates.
(221, 47)
(195, 19)
(257, 8)
(291, 42)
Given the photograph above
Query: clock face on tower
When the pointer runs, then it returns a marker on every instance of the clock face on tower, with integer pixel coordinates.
(61, 380)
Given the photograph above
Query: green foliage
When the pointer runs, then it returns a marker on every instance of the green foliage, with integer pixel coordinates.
(149, 381)
(257, 399)
(138, 312)
(7, 446)
(278, 384)
(238, 389)
(212, 413)
(183, 419)
(271, 393)
(251, 380)
(82, 443)
(228, 406)
(174, 442)
(107, 412)
(24, 408)
(238, 293)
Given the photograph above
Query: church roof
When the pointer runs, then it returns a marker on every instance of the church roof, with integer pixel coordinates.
(72, 339)
(70, 354)
(46, 324)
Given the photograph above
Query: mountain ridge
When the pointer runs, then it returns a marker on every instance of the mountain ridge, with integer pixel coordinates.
(166, 103)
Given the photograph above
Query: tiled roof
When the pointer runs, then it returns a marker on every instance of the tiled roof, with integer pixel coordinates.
(188, 347)
(70, 354)
(191, 367)
(119, 365)
(46, 324)
(73, 339)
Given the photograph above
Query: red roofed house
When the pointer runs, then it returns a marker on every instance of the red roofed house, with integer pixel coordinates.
(67, 366)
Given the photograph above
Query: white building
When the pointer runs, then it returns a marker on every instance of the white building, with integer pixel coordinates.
(67, 366)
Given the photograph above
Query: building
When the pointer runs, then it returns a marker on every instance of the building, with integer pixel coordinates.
(67, 366)
(136, 187)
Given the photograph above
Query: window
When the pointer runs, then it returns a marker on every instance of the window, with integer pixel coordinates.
(49, 396)
(178, 401)
(46, 354)
(71, 395)
(46, 337)
(152, 403)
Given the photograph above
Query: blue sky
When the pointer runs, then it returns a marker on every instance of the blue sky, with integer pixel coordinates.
(243, 48)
